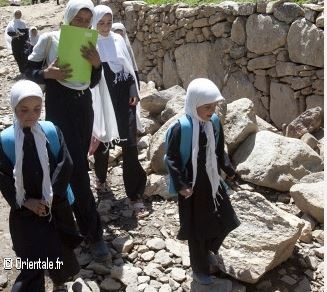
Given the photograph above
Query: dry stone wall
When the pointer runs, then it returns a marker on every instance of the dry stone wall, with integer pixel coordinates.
(269, 52)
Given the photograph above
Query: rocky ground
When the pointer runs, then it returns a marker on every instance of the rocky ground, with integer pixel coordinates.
(145, 252)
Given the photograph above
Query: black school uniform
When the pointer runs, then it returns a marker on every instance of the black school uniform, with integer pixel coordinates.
(71, 110)
(204, 227)
(18, 45)
(40, 238)
(134, 175)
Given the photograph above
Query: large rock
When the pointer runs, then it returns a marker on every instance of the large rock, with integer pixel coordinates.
(284, 106)
(305, 43)
(308, 197)
(271, 160)
(264, 33)
(156, 150)
(265, 238)
(194, 60)
(288, 12)
(169, 73)
(240, 122)
(308, 122)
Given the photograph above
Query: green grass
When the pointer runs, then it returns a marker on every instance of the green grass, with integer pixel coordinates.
(162, 2)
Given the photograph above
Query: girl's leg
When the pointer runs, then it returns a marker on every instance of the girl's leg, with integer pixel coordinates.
(134, 175)
(101, 160)
(199, 253)
(29, 281)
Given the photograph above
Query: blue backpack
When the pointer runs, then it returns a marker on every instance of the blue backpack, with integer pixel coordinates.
(186, 143)
(8, 146)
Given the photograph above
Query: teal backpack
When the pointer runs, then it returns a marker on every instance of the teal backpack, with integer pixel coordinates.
(8, 146)
(186, 143)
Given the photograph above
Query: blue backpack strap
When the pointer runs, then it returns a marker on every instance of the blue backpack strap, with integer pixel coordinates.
(8, 143)
(216, 125)
(50, 131)
(186, 138)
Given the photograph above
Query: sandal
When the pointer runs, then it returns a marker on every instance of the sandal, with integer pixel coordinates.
(139, 209)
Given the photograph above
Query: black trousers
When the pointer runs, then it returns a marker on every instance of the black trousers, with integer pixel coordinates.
(72, 112)
(19, 54)
(29, 281)
(199, 253)
(134, 175)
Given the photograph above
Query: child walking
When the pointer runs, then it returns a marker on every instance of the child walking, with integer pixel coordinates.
(205, 212)
(34, 181)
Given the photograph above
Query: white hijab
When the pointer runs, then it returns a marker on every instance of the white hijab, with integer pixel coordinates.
(199, 92)
(33, 39)
(13, 26)
(19, 91)
(113, 50)
(119, 26)
(39, 50)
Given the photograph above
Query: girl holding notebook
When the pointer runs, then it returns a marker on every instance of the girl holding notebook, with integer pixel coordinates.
(69, 105)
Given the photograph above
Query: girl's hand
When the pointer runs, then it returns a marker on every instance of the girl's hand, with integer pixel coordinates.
(91, 54)
(186, 193)
(37, 206)
(133, 101)
(54, 72)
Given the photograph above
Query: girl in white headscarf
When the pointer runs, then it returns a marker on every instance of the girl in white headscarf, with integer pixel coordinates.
(205, 212)
(122, 85)
(119, 28)
(16, 36)
(33, 180)
(69, 105)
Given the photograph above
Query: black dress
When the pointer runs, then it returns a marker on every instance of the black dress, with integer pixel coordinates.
(19, 45)
(198, 218)
(134, 175)
(40, 238)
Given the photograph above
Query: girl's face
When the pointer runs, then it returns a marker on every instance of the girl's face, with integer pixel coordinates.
(206, 111)
(82, 19)
(28, 111)
(104, 25)
(34, 32)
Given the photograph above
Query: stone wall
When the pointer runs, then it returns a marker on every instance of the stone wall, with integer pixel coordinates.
(269, 52)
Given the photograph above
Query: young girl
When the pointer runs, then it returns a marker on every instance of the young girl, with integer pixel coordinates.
(205, 212)
(32, 40)
(34, 185)
(120, 79)
(119, 28)
(16, 34)
(69, 105)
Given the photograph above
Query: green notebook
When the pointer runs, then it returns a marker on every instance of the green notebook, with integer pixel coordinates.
(71, 40)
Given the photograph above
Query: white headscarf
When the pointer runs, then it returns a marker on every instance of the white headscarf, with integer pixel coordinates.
(113, 50)
(74, 6)
(33, 39)
(39, 50)
(119, 26)
(199, 92)
(19, 91)
(13, 26)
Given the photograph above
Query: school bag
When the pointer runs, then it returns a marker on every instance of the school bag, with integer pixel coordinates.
(8, 146)
(186, 144)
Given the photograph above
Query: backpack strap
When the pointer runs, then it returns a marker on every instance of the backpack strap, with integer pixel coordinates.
(8, 143)
(50, 132)
(186, 138)
(216, 125)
